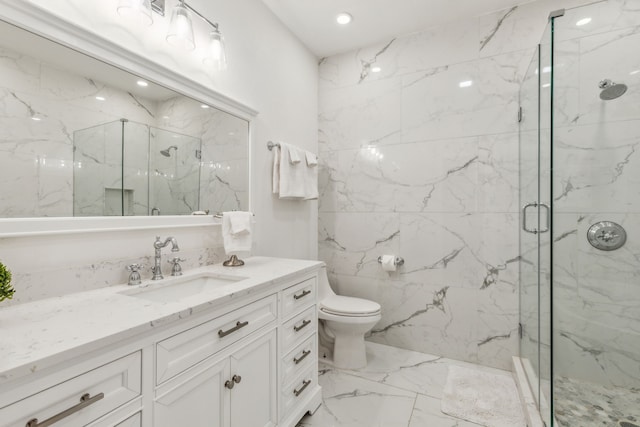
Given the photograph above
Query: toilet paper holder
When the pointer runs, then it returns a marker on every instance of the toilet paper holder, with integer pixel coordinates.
(397, 262)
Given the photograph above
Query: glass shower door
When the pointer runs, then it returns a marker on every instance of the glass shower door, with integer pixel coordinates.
(535, 264)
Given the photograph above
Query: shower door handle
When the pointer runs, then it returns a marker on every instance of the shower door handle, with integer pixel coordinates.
(548, 216)
(524, 217)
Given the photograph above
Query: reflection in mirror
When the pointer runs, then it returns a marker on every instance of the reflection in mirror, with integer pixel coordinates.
(79, 137)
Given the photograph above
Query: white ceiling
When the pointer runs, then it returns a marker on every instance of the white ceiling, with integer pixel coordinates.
(314, 23)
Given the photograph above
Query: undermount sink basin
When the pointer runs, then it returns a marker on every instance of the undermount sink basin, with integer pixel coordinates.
(174, 289)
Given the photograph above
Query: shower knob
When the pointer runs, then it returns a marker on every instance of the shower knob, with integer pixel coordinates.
(606, 236)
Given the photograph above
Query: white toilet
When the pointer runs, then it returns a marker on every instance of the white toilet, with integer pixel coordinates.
(343, 323)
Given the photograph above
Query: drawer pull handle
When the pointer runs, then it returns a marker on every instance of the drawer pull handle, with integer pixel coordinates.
(239, 325)
(304, 324)
(301, 358)
(302, 295)
(234, 380)
(85, 401)
(305, 384)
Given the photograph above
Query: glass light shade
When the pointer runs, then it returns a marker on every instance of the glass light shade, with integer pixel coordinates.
(181, 28)
(136, 10)
(216, 56)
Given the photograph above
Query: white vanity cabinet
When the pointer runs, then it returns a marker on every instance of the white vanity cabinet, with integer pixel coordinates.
(249, 362)
(81, 400)
(233, 390)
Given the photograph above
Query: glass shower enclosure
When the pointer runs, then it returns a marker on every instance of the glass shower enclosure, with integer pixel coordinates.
(126, 168)
(580, 217)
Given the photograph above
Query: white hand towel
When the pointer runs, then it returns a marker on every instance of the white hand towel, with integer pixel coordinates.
(311, 176)
(294, 155)
(277, 153)
(291, 177)
(241, 240)
(312, 159)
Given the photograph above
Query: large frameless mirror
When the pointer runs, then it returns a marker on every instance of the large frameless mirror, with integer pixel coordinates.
(79, 137)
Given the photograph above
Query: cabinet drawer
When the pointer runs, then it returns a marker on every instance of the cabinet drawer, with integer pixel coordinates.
(295, 393)
(108, 387)
(298, 297)
(181, 351)
(299, 328)
(299, 359)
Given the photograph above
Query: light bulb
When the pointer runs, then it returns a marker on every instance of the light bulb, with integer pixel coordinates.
(181, 29)
(216, 56)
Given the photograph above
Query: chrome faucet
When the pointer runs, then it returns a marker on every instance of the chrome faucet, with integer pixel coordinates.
(158, 245)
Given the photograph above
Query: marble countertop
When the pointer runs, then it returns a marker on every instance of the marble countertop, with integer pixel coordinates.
(40, 334)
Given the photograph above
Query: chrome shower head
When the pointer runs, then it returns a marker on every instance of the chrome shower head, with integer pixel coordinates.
(611, 90)
(167, 152)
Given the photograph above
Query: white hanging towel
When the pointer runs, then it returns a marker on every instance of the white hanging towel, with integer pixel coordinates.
(288, 178)
(311, 176)
(236, 232)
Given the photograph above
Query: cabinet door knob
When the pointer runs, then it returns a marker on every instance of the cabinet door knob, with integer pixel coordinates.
(230, 384)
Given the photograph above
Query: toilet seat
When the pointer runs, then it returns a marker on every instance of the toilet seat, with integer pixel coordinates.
(339, 305)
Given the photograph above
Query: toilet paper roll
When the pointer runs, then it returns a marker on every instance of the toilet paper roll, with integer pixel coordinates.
(388, 262)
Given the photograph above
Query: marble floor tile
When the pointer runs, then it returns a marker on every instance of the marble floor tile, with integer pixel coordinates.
(349, 401)
(427, 413)
(397, 388)
(410, 370)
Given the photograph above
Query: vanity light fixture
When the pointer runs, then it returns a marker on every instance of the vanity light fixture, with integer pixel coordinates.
(181, 32)
(136, 10)
(215, 53)
(344, 18)
(181, 28)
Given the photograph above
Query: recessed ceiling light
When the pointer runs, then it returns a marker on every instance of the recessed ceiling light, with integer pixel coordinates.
(344, 18)
(583, 21)
(376, 69)
(142, 83)
(466, 83)
(100, 98)
(205, 106)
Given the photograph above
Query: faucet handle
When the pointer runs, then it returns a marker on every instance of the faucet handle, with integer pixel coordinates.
(134, 267)
(176, 270)
(134, 276)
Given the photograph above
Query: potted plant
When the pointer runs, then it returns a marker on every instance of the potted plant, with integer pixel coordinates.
(6, 291)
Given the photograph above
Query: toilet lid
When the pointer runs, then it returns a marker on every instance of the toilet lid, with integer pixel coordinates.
(337, 304)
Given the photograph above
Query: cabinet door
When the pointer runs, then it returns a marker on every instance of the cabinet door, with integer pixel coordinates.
(196, 398)
(253, 399)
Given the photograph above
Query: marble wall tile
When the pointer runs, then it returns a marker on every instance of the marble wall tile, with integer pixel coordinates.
(599, 167)
(466, 99)
(352, 242)
(519, 27)
(498, 173)
(605, 16)
(419, 177)
(596, 303)
(360, 115)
